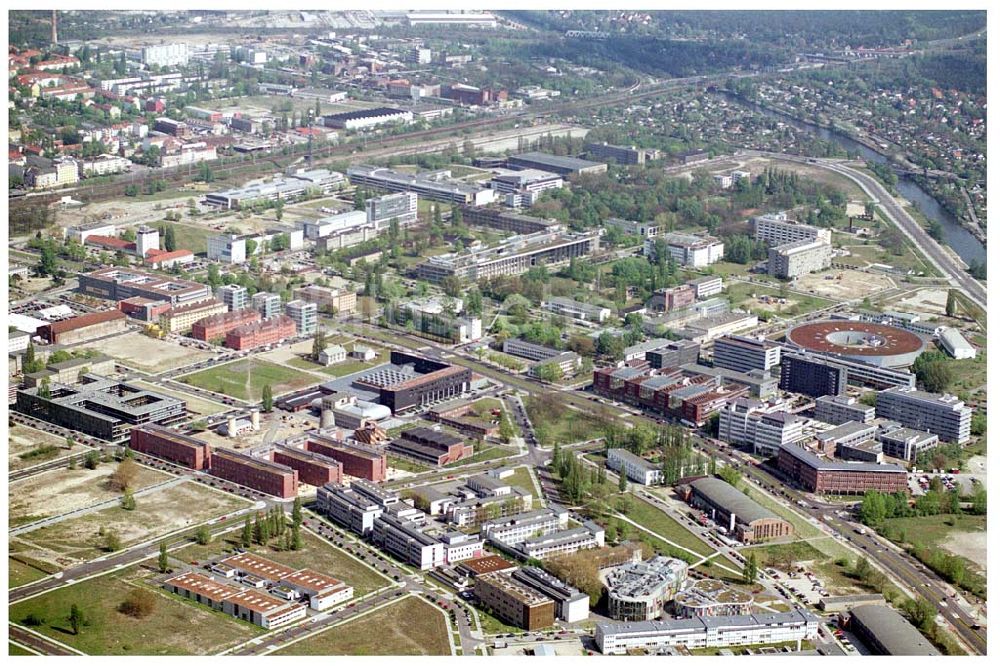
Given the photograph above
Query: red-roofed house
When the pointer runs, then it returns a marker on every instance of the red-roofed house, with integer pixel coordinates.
(165, 259)
(110, 243)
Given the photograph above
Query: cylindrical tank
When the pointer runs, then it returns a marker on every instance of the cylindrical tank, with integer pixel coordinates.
(255, 419)
(231, 426)
(326, 418)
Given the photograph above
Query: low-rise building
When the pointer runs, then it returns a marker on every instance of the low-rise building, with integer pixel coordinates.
(572, 605)
(744, 519)
(886, 632)
(955, 344)
(431, 446)
(708, 597)
(514, 602)
(686, 249)
(567, 307)
(83, 328)
(905, 443)
(837, 409)
(827, 477)
(636, 468)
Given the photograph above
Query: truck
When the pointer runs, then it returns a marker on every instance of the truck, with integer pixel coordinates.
(860, 530)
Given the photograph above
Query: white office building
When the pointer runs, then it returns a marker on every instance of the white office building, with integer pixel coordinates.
(227, 248)
(636, 468)
(166, 55)
(686, 249)
(304, 314)
(234, 296)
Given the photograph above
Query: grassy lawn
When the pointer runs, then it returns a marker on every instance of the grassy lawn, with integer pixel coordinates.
(193, 237)
(22, 571)
(741, 292)
(407, 627)
(485, 452)
(176, 626)
(652, 518)
(244, 379)
(18, 651)
(523, 479)
(317, 554)
(493, 625)
(565, 427)
(406, 464)
(803, 528)
(348, 367)
(932, 530)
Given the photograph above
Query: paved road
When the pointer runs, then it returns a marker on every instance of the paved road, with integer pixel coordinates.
(38, 643)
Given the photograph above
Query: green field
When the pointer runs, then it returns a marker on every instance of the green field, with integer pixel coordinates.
(652, 518)
(176, 626)
(484, 452)
(932, 530)
(349, 366)
(244, 379)
(803, 528)
(407, 627)
(740, 293)
(565, 427)
(23, 572)
(523, 479)
(18, 651)
(192, 237)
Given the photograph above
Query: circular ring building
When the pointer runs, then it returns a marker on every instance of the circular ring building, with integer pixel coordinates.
(877, 344)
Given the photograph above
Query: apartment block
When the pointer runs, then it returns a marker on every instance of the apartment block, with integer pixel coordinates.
(797, 258)
(743, 354)
(944, 415)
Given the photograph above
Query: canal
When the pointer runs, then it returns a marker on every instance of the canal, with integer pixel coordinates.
(956, 236)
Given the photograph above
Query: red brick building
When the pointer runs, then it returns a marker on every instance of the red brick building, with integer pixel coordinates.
(217, 326)
(674, 298)
(163, 443)
(431, 446)
(265, 332)
(262, 475)
(834, 477)
(357, 461)
(313, 468)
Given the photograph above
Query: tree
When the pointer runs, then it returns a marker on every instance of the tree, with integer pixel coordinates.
(203, 536)
(214, 278)
(162, 561)
(297, 512)
(246, 537)
(44, 390)
(92, 460)
(138, 603)
(750, 569)
(319, 344)
(921, 613)
(622, 481)
(951, 306)
(124, 475)
(128, 500)
(266, 398)
(507, 431)
(76, 621)
(112, 541)
(297, 542)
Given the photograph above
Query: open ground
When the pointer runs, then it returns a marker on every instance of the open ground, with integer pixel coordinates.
(23, 440)
(195, 404)
(147, 354)
(156, 514)
(246, 378)
(64, 490)
(843, 285)
(410, 626)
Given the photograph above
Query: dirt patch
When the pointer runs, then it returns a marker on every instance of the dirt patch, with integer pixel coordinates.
(63, 490)
(195, 404)
(146, 354)
(843, 285)
(970, 545)
(158, 513)
(24, 439)
(932, 301)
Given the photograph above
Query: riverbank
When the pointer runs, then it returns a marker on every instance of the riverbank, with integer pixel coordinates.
(885, 153)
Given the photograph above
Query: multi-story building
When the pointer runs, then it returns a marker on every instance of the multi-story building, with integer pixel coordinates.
(436, 382)
(686, 249)
(857, 372)
(181, 319)
(563, 542)
(267, 304)
(837, 409)
(828, 477)
(636, 468)
(159, 442)
(359, 461)
(812, 375)
(234, 296)
(773, 429)
(673, 354)
(739, 419)
(743, 354)
(101, 407)
(227, 248)
(401, 206)
(217, 326)
(514, 602)
(104, 165)
(435, 318)
(117, 284)
(562, 165)
(261, 475)
(944, 415)
(850, 434)
(329, 299)
(671, 299)
(286, 187)
(797, 258)
(706, 632)
(523, 188)
(637, 591)
(712, 598)
(304, 314)
(744, 519)
(905, 443)
(357, 507)
(706, 287)
(266, 332)
(497, 218)
(165, 55)
(436, 186)
(619, 154)
(514, 529)
(313, 468)
(777, 229)
(572, 605)
(404, 539)
(567, 307)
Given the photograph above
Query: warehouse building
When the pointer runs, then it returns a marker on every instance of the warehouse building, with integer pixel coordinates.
(955, 344)
(743, 354)
(159, 442)
(707, 632)
(837, 409)
(313, 468)
(84, 327)
(357, 461)
(744, 519)
(572, 605)
(637, 591)
(944, 415)
(100, 407)
(117, 284)
(887, 632)
(514, 602)
(562, 165)
(365, 118)
(261, 475)
(827, 477)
